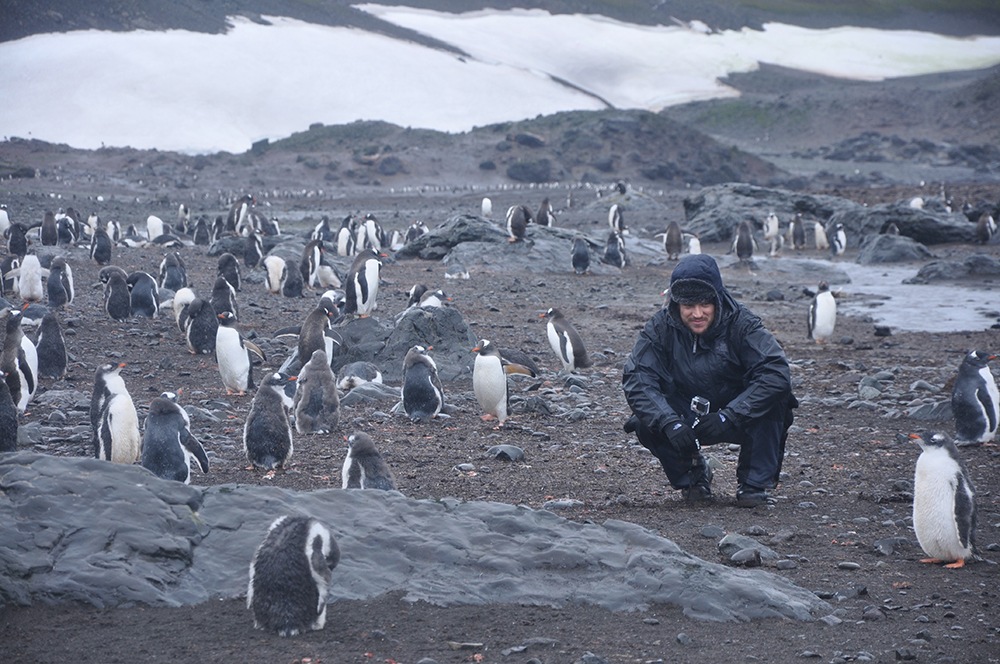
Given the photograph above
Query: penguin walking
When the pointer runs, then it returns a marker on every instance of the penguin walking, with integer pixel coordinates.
(173, 272)
(744, 243)
(316, 404)
(29, 279)
(822, 314)
(423, 396)
(838, 243)
(944, 502)
(202, 327)
(616, 219)
(580, 256)
(614, 250)
(19, 360)
(565, 341)
(118, 438)
(546, 216)
(274, 267)
(253, 250)
(673, 241)
(290, 576)
(144, 295)
(224, 297)
(183, 219)
(267, 434)
(100, 247)
(229, 268)
(518, 218)
(364, 467)
(362, 283)
(107, 381)
(819, 236)
(168, 444)
(59, 287)
(233, 354)
(50, 346)
(489, 382)
(8, 417)
(975, 401)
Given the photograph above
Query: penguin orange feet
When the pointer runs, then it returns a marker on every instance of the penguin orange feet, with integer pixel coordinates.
(487, 417)
(957, 564)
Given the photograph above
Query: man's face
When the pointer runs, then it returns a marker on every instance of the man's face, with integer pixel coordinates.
(697, 317)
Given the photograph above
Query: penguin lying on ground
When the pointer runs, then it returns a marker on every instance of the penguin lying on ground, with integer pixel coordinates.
(168, 445)
(364, 467)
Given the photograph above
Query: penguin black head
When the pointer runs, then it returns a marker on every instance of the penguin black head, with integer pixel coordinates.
(171, 396)
(162, 406)
(484, 347)
(979, 358)
(931, 440)
(823, 286)
(227, 319)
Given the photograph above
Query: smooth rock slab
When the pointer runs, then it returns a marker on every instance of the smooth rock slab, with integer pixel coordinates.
(74, 529)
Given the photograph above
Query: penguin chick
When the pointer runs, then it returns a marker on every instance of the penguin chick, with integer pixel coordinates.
(944, 502)
(290, 576)
(267, 434)
(364, 467)
(168, 445)
(316, 404)
(423, 396)
(51, 347)
(565, 341)
(201, 327)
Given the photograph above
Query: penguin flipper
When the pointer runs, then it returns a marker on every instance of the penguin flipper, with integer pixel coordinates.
(192, 445)
(965, 513)
(513, 368)
(255, 349)
(983, 397)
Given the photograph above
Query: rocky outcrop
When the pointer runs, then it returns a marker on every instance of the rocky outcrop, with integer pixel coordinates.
(876, 249)
(976, 265)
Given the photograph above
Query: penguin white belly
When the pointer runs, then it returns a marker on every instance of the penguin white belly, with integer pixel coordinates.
(822, 244)
(824, 316)
(234, 363)
(934, 518)
(123, 424)
(489, 382)
(30, 370)
(994, 397)
(562, 346)
(367, 304)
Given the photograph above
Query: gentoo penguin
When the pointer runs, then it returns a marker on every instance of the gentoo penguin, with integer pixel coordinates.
(693, 243)
(118, 438)
(433, 299)
(239, 212)
(4, 218)
(986, 228)
(202, 235)
(316, 405)
(202, 326)
(50, 345)
(144, 296)
(374, 235)
(819, 234)
(345, 237)
(838, 243)
(17, 239)
(114, 230)
(274, 268)
(100, 247)
(486, 207)
(614, 250)
(173, 272)
(423, 396)
(108, 383)
(362, 283)
(489, 382)
(59, 287)
(565, 341)
(944, 502)
(890, 229)
(182, 298)
(322, 230)
(168, 445)
(8, 417)
(49, 233)
(218, 229)
(253, 250)
(233, 354)
(183, 219)
(29, 279)
(772, 226)
(797, 232)
(290, 576)
(131, 238)
(364, 467)
(229, 268)
(224, 297)
(358, 373)
(312, 257)
(291, 282)
(415, 230)
(616, 219)
(580, 256)
(9, 278)
(518, 218)
(822, 314)
(313, 334)
(975, 401)
(673, 241)
(267, 434)
(744, 242)
(154, 227)
(415, 293)
(19, 360)
(546, 216)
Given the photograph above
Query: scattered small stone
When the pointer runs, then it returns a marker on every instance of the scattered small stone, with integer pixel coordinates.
(807, 505)
(831, 620)
(872, 613)
(465, 467)
(683, 639)
(905, 655)
(712, 531)
(746, 557)
(883, 331)
(506, 453)
(561, 504)
(651, 621)
(786, 564)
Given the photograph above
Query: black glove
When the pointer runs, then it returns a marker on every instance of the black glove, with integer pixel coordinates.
(715, 428)
(682, 437)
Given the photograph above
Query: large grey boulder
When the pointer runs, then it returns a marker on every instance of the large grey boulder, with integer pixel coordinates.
(925, 226)
(84, 530)
(876, 249)
(976, 265)
(440, 327)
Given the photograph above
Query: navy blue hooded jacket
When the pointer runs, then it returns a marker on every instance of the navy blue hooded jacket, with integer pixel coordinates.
(736, 363)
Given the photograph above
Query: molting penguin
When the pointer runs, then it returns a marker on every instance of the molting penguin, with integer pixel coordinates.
(822, 314)
(224, 297)
(118, 439)
(838, 245)
(17, 239)
(274, 267)
(267, 434)
(580, 256)
(233, 354)
(673, 241)
(364, 467)
(290, 576)
(565, 341)
(316, 404)
(614, 250)
(59, 287)
(202, 327)
(518, 218)
(975, 401)
(489, 382)
(173, 272)
(19, 360)
(362, 283)
(117, 299)
(229, 268)
(8, 417)
(168, 445)
(291, 283)
(202, 234)
(49, 234)
(944, 502)
(100, 247)
(29, 279)
(546, 216)
(423, 396)
(144, 296)
(50, 346)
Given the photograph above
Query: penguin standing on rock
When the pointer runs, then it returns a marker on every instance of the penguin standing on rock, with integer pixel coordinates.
(616, 219)
(233, 354)
(202, 327)
(8, 417)
(518, 218)
(546, 216)
(364, 467)
(423, 396)
(565, 341)
(822, 314)
(986, 228)
(290, 576)
(51, 348)
(144, 295)
(168, 445)
(580, 256)
(362, 283)
(944, 502)
(975, 401)
(316, 404)
(229, 268)
(838, 243)
(267, 434)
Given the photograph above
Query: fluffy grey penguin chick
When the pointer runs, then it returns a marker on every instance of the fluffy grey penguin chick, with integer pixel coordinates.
(316, 405)
(364, 467)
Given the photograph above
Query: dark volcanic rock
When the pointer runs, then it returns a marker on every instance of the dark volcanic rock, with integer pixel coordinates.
(925, 226)
(442, 328)
(877, 249)
(974, 265)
